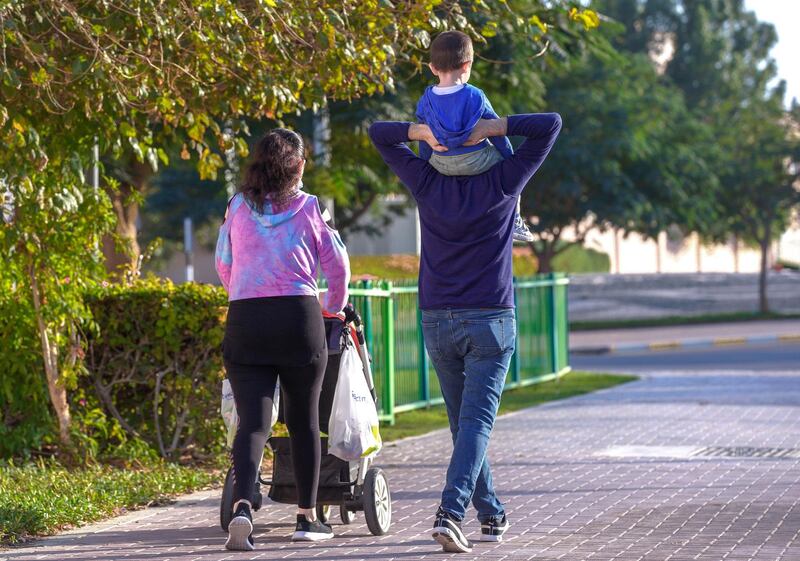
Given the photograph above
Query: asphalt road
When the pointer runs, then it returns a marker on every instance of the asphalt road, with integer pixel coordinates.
(768, 356)
(607, 297)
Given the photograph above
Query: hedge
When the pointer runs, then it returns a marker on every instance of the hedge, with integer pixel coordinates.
(154, 366)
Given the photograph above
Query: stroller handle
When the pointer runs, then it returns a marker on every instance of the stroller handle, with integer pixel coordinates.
(351, 315)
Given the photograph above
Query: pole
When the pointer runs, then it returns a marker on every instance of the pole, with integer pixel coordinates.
(423, 362)
(321, 137)
(516, 358)
(387, 401)
(187, 248)
(554, 331)
(96, 166)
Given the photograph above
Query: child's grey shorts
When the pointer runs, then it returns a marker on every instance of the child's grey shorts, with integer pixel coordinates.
(471, 163)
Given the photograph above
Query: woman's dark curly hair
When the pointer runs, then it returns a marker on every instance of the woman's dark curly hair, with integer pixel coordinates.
(274, 169)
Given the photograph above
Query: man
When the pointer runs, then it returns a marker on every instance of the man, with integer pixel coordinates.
(467, 297)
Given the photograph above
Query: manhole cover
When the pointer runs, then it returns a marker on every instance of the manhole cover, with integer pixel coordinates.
(746, 452)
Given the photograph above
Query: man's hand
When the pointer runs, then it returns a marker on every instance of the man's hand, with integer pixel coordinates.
(423, 133)
(486, 128)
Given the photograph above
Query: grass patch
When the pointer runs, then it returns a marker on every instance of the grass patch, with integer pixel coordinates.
(677, 320)
(421, 421)
(406, 267)
(580, 259)
(44, 498)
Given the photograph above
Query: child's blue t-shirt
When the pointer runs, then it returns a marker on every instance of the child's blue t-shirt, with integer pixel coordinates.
(452, 116)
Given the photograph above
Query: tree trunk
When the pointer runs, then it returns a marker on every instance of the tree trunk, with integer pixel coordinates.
(763, 302)
(134, 180)
(545, 256)
(55, 387)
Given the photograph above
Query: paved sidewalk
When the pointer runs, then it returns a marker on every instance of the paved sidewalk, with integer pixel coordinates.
(660, 338)
(573, 487)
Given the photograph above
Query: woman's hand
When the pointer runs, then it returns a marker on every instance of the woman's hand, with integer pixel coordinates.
(327, 314)
(422, 132)
(486, 128)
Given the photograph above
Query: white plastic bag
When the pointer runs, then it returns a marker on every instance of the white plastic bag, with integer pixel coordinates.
(353, 430)
(231, 418)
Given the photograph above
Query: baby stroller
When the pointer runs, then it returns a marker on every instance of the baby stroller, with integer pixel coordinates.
(352, 486)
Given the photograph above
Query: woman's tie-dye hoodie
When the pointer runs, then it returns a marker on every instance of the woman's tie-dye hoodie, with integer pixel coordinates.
(277, 253)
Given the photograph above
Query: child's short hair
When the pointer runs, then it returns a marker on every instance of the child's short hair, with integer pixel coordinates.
(450, 50)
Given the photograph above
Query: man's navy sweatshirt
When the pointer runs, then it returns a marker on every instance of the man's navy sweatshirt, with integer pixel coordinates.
(467, 221)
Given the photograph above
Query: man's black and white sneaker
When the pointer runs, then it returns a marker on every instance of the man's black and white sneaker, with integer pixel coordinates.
(240, 530)
(492, 529)
(447, 531)
(315, 531)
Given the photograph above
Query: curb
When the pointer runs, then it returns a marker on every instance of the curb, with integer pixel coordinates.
(685, 344)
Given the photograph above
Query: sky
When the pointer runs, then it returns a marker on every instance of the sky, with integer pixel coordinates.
(784, 15)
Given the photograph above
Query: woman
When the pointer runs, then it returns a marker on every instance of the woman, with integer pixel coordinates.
(270, 246)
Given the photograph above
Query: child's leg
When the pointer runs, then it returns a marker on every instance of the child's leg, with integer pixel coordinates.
(471, 163)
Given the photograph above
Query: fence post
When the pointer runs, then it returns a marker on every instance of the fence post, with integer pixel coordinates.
(554, 343)
(424, 379)
(565, 342)
(367, 314)
(388, 345)
(516, 363)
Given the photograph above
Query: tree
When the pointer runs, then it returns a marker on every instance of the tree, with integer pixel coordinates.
(50, 247)
(624, 158)
(722, 65)
(760, 187)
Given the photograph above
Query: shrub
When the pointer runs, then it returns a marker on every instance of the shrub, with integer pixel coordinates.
(580, 259)
(152, 353)
(25, 418)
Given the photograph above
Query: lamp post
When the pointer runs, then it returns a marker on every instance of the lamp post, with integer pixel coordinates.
(188, 248)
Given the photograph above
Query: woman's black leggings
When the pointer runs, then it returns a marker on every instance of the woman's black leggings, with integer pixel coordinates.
(253, 391)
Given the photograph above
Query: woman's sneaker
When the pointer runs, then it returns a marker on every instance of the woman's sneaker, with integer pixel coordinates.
(447, 531)
(492, 529)
(315, 531)
(240, 530)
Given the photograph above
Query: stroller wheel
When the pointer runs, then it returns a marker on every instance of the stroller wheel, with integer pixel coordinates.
(377, 502)
(346, 515)
(226, 504)
(324, 513)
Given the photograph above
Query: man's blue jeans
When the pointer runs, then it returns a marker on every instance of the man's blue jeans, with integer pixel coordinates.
(471, 351)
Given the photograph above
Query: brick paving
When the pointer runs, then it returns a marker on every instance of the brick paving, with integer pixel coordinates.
(565, 498)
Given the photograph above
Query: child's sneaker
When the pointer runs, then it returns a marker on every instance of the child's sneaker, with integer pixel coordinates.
(492, 529)
(240, 530)
(521, 231)
(315, 531)
(447, 531)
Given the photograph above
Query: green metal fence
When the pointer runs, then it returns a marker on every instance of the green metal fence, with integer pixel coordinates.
(404, 377)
